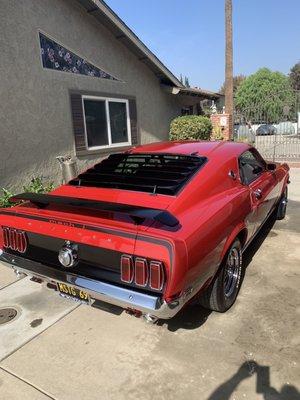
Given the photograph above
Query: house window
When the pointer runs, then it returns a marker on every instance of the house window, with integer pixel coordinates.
(187, 110)
(106, 122)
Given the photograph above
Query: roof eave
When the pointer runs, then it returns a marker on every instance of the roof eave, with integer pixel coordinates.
(105, 15)
(193, 92)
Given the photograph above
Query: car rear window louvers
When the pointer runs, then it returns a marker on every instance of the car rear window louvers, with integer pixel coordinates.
(153, 173)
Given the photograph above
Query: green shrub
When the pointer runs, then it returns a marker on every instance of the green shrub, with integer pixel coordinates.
(190, 127)
(4, 199)
(36, 185)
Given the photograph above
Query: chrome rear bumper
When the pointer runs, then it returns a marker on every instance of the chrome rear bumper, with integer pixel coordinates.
(149, 305)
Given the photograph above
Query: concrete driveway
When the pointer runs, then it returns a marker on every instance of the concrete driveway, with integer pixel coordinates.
(56, 349)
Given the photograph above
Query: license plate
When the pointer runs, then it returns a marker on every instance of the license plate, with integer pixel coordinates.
(73, 293)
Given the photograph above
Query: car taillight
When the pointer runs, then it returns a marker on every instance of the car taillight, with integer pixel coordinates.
(126, 269)
(14, 239)
(156, 275)
(141, 272)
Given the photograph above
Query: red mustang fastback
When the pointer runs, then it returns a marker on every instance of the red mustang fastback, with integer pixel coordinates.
(148, 229)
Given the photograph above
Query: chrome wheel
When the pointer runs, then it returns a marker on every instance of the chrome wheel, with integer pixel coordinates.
(223, 290)
(232, 272)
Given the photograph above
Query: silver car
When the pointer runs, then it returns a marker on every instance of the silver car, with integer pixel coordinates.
(286, 128)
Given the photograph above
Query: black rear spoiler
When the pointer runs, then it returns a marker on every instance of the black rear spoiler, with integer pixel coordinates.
(136, 212)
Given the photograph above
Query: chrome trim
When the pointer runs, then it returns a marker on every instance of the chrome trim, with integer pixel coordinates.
(258, 193)
(232, 175)
(155, 306)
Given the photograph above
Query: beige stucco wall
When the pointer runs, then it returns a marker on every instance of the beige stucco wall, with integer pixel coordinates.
(35, 116)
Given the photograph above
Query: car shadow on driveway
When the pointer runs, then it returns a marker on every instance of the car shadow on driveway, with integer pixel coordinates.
(193, 316)
(190, 317)
(263, 386)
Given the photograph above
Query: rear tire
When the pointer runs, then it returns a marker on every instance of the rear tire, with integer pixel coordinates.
(281, 206)
(222, 292)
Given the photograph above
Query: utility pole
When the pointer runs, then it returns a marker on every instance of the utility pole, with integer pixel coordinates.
(229, 63)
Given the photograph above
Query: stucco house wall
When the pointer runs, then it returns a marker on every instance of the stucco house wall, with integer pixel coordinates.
(35, 116)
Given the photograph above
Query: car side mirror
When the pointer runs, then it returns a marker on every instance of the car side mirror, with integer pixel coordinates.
(257, 170)
(271, 166)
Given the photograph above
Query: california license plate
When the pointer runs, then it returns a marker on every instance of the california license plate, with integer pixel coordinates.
(73, 293)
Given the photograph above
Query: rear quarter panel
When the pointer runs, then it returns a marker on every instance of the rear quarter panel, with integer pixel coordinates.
(211, 208)
(172, 252)
(220, 220)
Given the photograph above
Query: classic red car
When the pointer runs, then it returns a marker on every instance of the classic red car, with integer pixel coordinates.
(150, 228)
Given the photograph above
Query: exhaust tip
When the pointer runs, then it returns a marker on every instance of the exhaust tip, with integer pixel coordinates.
(150, 319)
(19, 274)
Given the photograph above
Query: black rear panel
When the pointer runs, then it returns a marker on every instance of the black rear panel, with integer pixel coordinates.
(157, 173)
(94, 262)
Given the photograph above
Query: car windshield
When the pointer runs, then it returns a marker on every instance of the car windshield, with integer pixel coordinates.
(154, 173)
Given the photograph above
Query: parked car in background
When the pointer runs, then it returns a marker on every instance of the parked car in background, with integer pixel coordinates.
(266, 129)
(148, 229)
(286, 128)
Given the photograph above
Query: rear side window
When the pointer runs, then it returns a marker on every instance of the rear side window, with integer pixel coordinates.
(154, 173)
(251, 167)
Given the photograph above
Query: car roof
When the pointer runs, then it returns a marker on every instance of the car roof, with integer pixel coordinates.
(209, 149)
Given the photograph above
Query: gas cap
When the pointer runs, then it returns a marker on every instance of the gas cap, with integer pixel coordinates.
(68, 255)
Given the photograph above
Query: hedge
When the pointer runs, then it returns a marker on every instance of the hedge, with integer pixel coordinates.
(190, 127)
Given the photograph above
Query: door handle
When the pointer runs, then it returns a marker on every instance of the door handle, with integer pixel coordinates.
(258, 193)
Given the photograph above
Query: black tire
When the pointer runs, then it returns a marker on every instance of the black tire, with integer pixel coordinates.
(281, 206)
(222, 292)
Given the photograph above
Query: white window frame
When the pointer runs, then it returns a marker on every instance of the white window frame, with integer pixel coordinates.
(107, 100)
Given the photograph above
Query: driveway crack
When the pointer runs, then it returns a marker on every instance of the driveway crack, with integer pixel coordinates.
(28, 383)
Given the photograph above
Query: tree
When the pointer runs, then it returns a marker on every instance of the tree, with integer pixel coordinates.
(186, 82)
(295, 76)
(263, 96)
(237, 80)
(228, 58)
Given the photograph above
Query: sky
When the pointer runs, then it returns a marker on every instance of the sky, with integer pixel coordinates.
(188, 36)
